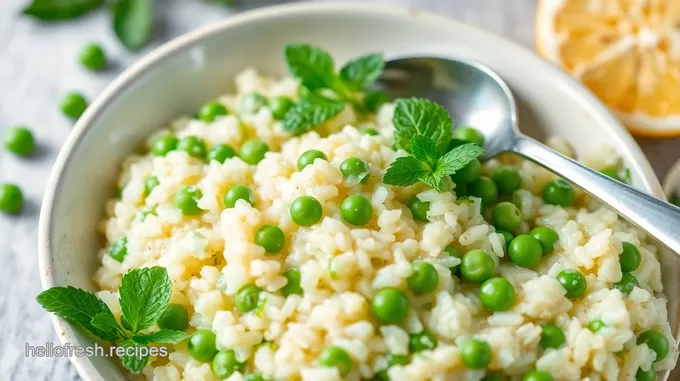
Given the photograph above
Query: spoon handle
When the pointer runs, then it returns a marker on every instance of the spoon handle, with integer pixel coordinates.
(658, 218)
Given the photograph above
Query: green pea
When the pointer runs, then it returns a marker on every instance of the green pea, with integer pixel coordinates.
(247, 297)
(92, 57)
(468, 174)
(356, 210)
(252, 103)
(497, 294)
(485, 189)
(253, 377)
(627, 283)
(221, 152)
(211, 110)
(306, 211)
(224, 364)
(477, 266)
(174, 317)
(271, 238)
(421, 341)
(11, 198)
(308, 158)
(468, 134)
(118, 249)
(507, 180)
(186, 200)
(369, 131)
(552, 336)
(525, 251)
(573, 282)
(453, 253)
(19, 141)
(390, 305)
(419, 209)
(164, 144)
(507, 238)
(475, 353)
(537, 375)
(559, 192)
(293, 285)
(335, 357)
(202, 345)
(505, 215)
(253, 151)
(194, 146)
(424, 278)
(656, 341)
(238, 192)
(611, 173)
(73, 105)
(595, 325)
(392, 360)
(373, 99)
(649, 375)
(354, 168)
(149, 184)
(547, 237)
(630, 257)
(279, 106)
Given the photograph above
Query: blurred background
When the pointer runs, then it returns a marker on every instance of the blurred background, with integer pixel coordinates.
(40, 62)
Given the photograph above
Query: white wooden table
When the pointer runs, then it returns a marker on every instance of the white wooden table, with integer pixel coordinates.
(38, 63)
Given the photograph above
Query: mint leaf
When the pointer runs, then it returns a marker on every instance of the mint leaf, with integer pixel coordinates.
(416, 116)
(309, 112)
(404, 171)
(163, 336)
(313, 66)
(424, 150)
(77, 306)
(144, 295)
(106, 322)
(361, 73)
(136, 356)
(457, 158)
(132, 22)
(58, 10)
(436, 182)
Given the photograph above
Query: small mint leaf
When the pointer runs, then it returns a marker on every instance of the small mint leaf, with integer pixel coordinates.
(309, 112)
(436, 182)
(163, 336)
(457, 158)
(136, 356)
(417, 116)
(361, 73)
(404, 171)
(424, 150)
(313, 66)
(144, 295)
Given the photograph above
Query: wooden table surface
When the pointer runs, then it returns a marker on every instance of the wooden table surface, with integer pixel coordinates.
(38, 64)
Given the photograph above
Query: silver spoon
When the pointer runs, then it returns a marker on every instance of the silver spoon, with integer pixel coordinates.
(475, 95)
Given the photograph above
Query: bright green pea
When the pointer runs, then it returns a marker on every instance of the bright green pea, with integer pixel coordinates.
(373, 99)
(390, 305)
(247, 297)
(419, 209)
(537, 375)
(497, 294)
(253, 102)
(468, 174)
(552, 336)
(238, 192)
(211, 110)
(305, 211)
(73, 105)
(369, 131)
(559, 192)
(279, 106)
(477, 266)
(224, 364)
(546, 236)
(649, 375)
(92, 57)
(424, 278)
(118, 249)
(505, 215)
(356, 210)
(507, 237)
(573, 282)
(293, 285)
(595, 325)
(221, 152)
(149, 184)
(19, 141)
(469, 134)
(194, 146)
(11, 198)
(308, 158)
(656, 341)
(164, 144)
(507, 180)
(253, 151)
(453, 253)
(485, 189)
(271, 238)
(174, 317)
(525, 251)
(335, 357)
(475, 353)
(421, 341)
(202, 345)
(186, 200)
(354, 168)
(627, 283)
(630, 257)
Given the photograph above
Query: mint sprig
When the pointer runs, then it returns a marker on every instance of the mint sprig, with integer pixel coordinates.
(144, 296)
(417, 116)
(309, 112)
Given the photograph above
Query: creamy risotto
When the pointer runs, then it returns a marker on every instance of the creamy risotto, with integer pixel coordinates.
(282, 278)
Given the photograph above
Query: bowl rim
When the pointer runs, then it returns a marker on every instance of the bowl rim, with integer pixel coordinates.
(65, 331)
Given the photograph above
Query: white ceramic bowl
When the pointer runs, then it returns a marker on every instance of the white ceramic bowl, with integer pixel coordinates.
(179, 76)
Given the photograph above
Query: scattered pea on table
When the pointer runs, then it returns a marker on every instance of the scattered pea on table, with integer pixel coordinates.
(92, 57)
(11, 198)
(19, 141)
(73, 105)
